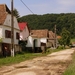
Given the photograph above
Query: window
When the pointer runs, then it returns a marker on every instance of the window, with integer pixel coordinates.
(7, 34)
(17, 35)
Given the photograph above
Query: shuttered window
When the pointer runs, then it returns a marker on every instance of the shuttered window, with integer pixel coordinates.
(7, 34)
(17, 35)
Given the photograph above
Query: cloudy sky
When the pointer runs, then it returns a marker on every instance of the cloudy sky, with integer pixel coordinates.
(42, 6)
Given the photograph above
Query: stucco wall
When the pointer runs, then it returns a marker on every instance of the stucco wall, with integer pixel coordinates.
(0, 32)
(37, 41)
(8, 21)
(7, 26)
(29, 42)
(44, 40)
(24, 34)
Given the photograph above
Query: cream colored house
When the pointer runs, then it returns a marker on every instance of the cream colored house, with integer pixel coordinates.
(5, 30)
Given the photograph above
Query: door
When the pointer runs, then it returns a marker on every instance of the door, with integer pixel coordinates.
(6, 49)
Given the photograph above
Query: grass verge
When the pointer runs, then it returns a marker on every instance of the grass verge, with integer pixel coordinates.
(71, 69)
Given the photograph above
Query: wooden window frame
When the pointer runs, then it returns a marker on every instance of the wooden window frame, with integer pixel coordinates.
(7, 34)
(17, 35)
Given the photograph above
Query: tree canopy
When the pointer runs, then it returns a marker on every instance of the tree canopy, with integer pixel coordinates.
(65, 37)
(48, 21)
(16, 13)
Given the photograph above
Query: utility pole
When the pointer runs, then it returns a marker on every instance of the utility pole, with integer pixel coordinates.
(55, 38)
(12, 30)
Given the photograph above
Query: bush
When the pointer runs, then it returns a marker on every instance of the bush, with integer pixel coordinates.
(61, 47)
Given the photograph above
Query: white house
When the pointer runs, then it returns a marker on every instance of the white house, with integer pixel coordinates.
(37, 39)
(5, 30)
(24, 31)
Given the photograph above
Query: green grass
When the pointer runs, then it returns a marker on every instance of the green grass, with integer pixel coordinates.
(73, 40)
(71, 69)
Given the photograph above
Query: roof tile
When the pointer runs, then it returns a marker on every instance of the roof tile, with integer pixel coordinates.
(3, 13)
(22, 25)
(39, 33)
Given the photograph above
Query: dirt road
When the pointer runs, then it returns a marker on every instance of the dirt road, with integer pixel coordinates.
(52, 64)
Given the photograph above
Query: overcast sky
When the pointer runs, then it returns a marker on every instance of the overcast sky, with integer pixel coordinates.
(42, 6)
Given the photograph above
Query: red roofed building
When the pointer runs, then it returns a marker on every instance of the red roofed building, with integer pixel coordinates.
(24, 31)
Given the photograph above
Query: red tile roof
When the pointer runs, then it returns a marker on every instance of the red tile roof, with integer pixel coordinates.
(4, 10)
(2, 17)
(22, 25)
(39, 33)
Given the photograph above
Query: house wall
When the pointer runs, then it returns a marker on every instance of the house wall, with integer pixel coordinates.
(15, 40)
(44, 40)
(38, 41)
(29, 42)
(24, 34)
(0, 32)
(7, 26)
(53, 43)
(8, 21)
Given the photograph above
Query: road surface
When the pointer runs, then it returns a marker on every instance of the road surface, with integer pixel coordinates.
(52, 64)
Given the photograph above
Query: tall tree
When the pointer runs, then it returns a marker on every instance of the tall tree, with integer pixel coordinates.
(65, 40)
(16, 13)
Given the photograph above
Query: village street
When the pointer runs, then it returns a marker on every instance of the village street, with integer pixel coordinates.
(52, 64)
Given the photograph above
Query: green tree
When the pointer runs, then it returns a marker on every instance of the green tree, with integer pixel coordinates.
(47, 21)
(65, 37)
(16, 13)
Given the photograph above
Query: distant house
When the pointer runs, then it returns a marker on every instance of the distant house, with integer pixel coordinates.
(37, 39)
(52, 41)
(5, 31)
(24, 31)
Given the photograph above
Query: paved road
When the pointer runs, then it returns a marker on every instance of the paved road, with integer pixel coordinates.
(52, 64)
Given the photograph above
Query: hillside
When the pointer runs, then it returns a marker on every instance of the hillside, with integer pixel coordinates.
(48, 21)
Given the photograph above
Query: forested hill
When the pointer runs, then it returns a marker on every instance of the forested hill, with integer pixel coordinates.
(48, 21)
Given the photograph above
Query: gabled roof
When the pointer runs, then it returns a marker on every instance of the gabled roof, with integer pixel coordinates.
(22, 25)
(4, 10)
(51, 35)
(39, 33)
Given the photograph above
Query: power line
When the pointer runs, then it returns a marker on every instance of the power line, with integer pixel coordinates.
(27, 6)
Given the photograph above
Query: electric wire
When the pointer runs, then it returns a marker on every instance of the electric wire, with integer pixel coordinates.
(27, 7)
